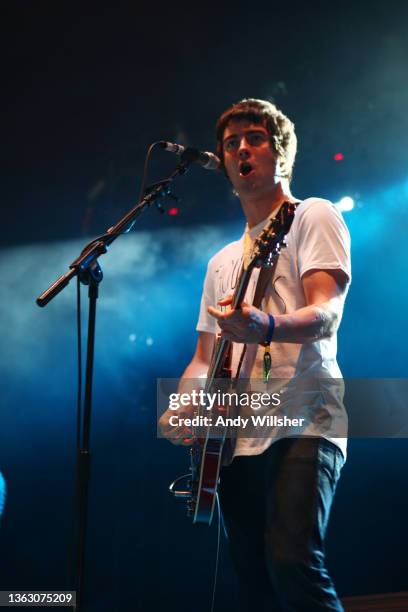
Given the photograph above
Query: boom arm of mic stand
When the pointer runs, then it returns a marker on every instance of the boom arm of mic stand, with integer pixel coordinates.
(94, 249)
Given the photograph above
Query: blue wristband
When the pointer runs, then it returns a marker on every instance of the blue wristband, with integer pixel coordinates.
(271, 329)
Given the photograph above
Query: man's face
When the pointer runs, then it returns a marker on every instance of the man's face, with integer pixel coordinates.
(249, 158)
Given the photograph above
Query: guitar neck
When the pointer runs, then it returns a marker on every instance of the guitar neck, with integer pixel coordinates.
(242, 286)
(266, 249)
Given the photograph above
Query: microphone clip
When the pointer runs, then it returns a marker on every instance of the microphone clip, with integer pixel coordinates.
(166, 193)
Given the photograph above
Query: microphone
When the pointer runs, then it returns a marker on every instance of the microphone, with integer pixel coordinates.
(207, 160)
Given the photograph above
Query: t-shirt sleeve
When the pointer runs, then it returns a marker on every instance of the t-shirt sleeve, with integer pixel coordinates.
(323, 240)
(207, 323)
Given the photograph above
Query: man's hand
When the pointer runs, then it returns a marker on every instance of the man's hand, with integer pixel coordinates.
(196, 369)
(176, 434)
(248, 325)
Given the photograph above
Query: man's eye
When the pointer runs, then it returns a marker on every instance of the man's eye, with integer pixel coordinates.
(231, 145)
(256, 139)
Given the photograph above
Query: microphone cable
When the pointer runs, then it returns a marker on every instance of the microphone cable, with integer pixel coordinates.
(79, 359)
(141, 195)
(101, 237)
(217, 556)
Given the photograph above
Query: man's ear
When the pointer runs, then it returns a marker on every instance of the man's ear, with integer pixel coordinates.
(281, 168)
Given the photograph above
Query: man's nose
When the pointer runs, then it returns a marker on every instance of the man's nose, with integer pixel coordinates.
(243, 150)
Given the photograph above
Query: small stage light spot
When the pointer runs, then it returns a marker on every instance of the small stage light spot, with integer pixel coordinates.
(132, 337)
(338, 157)
(345, 204)
(149, 341)
(174, 211)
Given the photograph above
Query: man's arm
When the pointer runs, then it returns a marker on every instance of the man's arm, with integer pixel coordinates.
(315, 321)
(198, 366)
(320, 317)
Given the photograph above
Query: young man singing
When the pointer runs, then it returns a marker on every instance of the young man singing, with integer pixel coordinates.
(277, 493)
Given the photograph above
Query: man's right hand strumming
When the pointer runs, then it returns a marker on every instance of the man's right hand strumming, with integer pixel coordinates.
(174, 432)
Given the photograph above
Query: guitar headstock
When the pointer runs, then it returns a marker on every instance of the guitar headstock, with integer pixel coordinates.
(272, 239)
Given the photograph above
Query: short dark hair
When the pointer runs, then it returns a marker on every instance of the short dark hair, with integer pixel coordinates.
(280, 128)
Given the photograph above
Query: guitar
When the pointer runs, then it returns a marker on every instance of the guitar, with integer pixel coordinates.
(209, 451)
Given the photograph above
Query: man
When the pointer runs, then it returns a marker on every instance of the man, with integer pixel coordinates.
(277, 493)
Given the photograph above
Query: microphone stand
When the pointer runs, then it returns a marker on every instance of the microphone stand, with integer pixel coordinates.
(89, 272)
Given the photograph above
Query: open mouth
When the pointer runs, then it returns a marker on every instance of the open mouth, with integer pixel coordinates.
(245, 168)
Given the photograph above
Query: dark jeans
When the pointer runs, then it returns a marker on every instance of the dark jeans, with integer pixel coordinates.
(275, 508)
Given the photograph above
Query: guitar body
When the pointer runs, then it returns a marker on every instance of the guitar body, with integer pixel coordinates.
(207, 453)
(207, 460)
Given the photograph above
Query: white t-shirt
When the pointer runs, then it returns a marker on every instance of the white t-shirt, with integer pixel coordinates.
(318, 240)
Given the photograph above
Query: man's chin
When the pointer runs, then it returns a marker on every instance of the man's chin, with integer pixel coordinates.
(246, 185)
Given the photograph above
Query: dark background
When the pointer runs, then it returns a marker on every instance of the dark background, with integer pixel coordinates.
(86, 87)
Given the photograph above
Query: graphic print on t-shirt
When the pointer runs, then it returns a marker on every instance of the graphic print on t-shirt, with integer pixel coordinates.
(226, 279)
